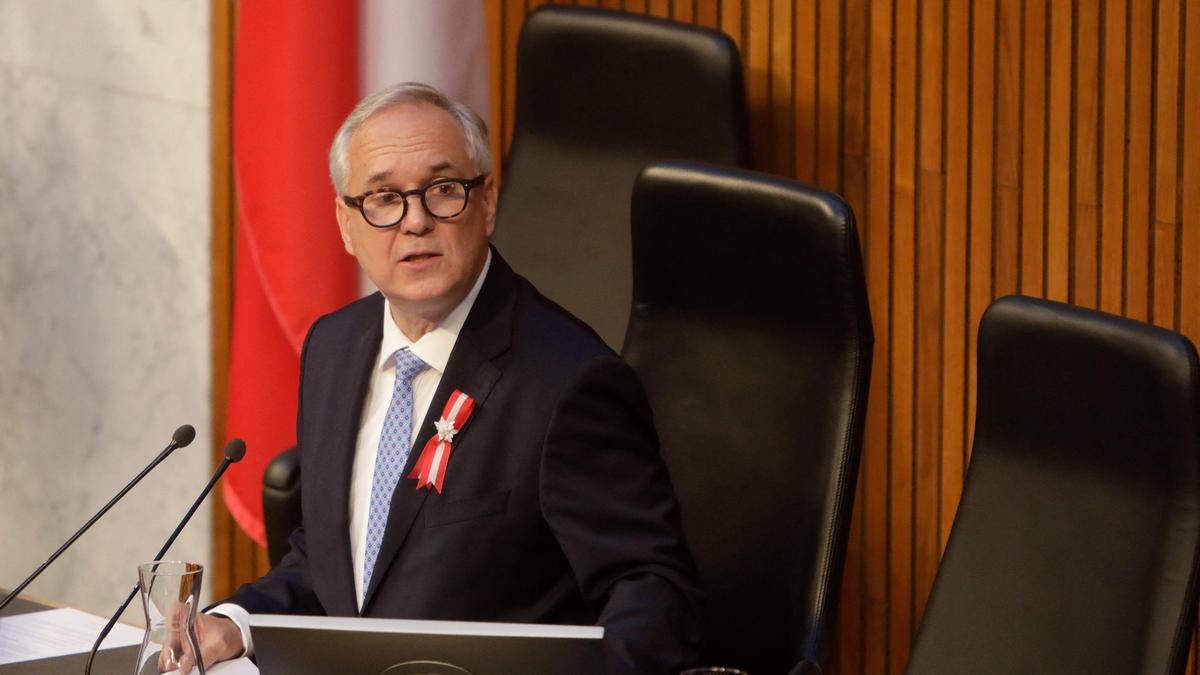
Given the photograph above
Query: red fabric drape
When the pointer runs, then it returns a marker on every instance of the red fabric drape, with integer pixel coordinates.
(294, 81)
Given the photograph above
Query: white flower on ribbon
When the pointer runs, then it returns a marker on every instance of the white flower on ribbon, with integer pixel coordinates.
(445, 429)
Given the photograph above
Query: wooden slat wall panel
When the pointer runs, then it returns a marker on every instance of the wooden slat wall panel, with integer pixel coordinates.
(987, 147)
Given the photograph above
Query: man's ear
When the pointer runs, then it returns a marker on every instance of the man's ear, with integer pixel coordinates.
(342, 212)
(490, 196)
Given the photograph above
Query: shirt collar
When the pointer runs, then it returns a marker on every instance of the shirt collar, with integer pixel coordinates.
(435, 346)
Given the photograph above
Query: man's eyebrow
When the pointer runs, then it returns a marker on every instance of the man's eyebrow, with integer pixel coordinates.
(378, 177)
(384, 177)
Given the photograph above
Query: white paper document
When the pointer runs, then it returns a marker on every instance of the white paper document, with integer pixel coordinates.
(58, 632)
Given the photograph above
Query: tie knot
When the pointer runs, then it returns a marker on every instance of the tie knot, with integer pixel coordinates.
(408, 365)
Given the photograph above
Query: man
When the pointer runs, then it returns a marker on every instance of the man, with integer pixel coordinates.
(554, 505)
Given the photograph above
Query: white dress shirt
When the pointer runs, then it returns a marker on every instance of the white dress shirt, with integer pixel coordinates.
(434, 349)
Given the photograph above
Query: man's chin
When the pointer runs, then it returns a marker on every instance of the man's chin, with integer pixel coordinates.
(423, 301)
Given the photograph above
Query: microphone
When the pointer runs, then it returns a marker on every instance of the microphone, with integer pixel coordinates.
(235, 450)
(182, 437)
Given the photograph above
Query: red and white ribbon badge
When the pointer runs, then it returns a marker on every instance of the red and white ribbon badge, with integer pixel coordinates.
(430, 470)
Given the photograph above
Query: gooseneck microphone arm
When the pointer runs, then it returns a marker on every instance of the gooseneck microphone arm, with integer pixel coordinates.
(235, 450)
(181, 438)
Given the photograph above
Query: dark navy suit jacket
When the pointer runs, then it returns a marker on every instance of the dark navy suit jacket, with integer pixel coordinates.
(556, 506)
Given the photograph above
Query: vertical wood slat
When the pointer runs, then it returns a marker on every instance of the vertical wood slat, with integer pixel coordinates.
(954, 261)
(889, 572)
(872, 506)
(1084, 286)
(805, 42)
(1007, 209)
(1058, 179)
(1138, 217)
(1189, 258)
(927, 447)
(781, 93)
(731, 23)
(683, 10)
(1112, 162)
(819, 154)
(706, 13)
(866, 548)
(757, 53)
(828, 46)
(982, 197)
(1166, 144)
(901, 269)
(1033, 158)
(222, 580)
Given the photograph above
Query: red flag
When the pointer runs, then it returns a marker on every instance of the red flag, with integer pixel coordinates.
(294, 82)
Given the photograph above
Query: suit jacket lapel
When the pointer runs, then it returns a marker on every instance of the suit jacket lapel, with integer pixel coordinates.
(339, 444)
(486, 334)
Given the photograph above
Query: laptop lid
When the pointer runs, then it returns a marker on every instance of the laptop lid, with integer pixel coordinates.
(312, 645)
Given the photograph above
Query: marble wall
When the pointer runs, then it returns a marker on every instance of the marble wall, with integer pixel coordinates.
(104, 286)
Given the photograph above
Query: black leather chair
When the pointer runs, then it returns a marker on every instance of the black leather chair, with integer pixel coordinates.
(1074, 549)
(281, 502)
(751, 331)
(599, 95)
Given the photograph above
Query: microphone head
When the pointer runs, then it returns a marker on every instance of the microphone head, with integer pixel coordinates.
(235, 450)
(184, 436)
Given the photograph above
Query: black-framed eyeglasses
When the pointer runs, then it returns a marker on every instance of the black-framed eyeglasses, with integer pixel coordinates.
(443, 198)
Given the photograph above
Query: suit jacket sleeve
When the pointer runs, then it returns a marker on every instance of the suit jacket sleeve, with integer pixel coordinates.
(607, 496)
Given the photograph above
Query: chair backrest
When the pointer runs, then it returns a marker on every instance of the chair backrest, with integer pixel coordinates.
(600, 94)
(751, 331)
(1074, 549)
(281, 502)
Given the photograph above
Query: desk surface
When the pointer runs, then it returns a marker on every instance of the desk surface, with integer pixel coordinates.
(118, 661)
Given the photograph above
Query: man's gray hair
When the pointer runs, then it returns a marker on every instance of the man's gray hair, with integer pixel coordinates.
(473, 127)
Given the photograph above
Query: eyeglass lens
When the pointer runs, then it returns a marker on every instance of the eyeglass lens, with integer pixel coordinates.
(441, 200)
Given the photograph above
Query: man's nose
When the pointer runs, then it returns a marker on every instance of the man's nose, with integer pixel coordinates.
(417, 220)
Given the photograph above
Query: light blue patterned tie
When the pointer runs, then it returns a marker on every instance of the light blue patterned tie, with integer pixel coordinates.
(395, 443)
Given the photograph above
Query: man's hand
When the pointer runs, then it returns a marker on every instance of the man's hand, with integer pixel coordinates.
(220, 640)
